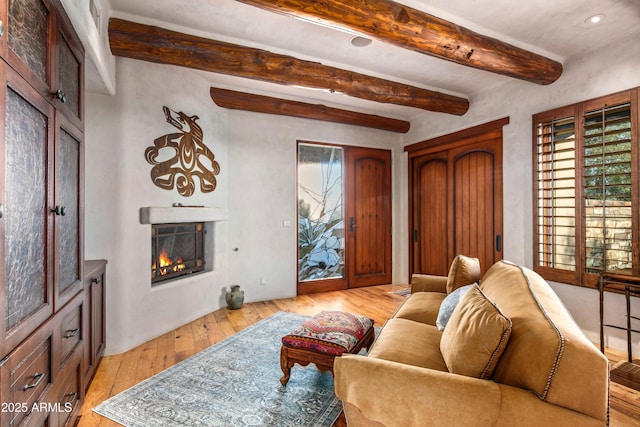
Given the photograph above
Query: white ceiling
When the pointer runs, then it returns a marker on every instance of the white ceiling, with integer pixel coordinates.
(553, 28)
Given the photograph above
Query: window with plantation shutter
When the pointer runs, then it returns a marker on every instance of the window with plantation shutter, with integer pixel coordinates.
(586, 189)
(607, 189)
(556, 171)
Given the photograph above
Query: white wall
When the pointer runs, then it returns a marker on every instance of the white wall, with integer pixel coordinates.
(583, 78)
(257, 183)
(118, 130)
(263, 194)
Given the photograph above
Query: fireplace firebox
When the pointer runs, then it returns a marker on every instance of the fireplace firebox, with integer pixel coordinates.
(176, 250)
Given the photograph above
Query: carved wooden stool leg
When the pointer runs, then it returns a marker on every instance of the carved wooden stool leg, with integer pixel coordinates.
(284, 364)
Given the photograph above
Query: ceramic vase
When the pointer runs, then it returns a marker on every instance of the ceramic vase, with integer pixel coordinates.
(235, 297)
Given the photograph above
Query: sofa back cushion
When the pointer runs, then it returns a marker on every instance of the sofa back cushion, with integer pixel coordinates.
(475, 336)
(547, 352)
(463, 271)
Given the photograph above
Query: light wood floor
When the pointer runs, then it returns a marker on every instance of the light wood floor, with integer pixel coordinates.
(118, 372)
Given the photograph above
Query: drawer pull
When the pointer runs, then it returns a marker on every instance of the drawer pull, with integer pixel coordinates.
(38, 377)
(72, 333)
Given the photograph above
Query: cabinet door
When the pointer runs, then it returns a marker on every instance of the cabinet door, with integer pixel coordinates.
(67, 211)
(93, 316)
(25, 196)
(28, 40)
(68, 75)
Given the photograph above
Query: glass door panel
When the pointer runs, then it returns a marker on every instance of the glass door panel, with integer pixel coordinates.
(320, 212)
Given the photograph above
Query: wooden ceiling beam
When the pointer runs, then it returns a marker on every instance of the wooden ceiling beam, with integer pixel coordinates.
(265, 104)
(154, 44)
(413, 29)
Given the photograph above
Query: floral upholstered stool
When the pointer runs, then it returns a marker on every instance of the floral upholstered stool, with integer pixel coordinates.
(323, 337)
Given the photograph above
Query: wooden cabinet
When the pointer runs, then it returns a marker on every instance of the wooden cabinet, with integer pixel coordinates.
(42, 379)
(42, 298)
(26, 119)
(42, 152)
(26, 377)
(41, 45)
(94, 326)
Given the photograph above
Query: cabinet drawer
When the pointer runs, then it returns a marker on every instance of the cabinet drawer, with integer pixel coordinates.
(70, 331)
(70, 397)
(26, 376)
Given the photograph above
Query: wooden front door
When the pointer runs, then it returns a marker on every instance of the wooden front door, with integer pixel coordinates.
(368, 212)
(456, 203)
(344, 217)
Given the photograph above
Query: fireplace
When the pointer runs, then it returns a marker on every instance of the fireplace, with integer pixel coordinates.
(177, 249)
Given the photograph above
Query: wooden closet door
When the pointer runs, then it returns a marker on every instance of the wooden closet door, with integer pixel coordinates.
(476, 175)
(456, 204)
(430, 214)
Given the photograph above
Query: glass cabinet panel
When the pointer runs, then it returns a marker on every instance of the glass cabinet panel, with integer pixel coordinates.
(29, 34)
(69, 68)
(67, 211)
(24, 213)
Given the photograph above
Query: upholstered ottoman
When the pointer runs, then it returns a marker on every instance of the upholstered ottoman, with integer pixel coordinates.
(323, 337)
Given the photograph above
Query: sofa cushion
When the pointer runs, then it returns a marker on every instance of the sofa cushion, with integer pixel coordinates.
(448, 305)
(422, 307)
(475, 336)
(547, 353)
(463, 271)
(409, 342)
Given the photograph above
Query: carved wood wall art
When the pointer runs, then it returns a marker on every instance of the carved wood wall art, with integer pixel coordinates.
(190, 157)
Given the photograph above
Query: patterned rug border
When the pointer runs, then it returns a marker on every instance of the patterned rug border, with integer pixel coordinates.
(327, 415)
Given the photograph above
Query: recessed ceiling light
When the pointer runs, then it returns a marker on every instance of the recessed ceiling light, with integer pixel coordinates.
(595, 19)
(359, 41)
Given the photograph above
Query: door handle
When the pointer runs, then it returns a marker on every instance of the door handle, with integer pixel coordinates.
(59, 210)
(415, 234)
(499, 243)
(352, 224)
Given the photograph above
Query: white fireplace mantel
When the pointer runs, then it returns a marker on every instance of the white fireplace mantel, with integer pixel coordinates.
(166, 215)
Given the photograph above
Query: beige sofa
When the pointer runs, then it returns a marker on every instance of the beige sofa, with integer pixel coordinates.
(510, 355)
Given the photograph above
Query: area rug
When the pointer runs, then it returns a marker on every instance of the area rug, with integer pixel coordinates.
(402, 292)
(235, 382)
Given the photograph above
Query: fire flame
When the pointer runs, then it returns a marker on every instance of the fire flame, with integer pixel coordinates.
(167, 265)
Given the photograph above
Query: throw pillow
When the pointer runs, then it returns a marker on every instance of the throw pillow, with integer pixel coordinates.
(448, 305)
(463, 271)
(475, 337)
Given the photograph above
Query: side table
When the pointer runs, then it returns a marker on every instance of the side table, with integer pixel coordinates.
(627, 281)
